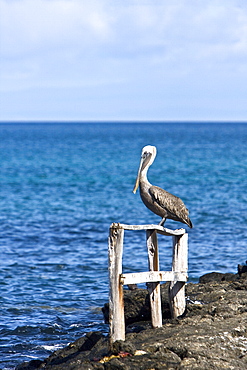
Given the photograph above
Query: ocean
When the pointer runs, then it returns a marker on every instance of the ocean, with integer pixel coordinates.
(63, 184)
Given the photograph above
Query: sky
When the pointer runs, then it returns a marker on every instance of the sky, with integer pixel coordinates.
(82, 60)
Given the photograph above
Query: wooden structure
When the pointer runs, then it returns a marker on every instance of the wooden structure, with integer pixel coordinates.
(177, 277)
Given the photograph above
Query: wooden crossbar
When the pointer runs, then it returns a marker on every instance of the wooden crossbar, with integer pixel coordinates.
(177, 277)
(160, 229)
(152, 277)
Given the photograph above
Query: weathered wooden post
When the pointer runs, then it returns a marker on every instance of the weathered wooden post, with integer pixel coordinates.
(177, 277)
(154, 288)
(179, 263)
(116, 302)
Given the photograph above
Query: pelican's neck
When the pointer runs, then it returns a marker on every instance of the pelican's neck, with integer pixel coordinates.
(143, 176)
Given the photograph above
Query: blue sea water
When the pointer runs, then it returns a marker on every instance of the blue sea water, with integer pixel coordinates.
(63, 184)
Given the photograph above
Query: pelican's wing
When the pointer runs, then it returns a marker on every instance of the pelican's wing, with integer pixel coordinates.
(170, 202)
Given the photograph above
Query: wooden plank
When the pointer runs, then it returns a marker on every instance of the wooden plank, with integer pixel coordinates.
(179, 263)
(154, 288)
(152, 277)
(160, 229)
(116, 302)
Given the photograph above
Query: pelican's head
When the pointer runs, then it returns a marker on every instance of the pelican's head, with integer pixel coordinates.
(147, 158)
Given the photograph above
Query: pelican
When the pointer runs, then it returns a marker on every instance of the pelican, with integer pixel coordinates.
(159, 201)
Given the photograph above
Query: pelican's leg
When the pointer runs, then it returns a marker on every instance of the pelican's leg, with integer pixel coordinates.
(162, 221)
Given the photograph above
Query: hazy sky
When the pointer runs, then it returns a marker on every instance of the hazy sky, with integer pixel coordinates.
(123, 60)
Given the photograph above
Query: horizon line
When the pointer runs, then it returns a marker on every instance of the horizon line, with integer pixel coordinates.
(120, 121)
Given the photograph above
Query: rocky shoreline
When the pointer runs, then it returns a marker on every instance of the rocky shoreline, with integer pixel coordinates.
(212, 334)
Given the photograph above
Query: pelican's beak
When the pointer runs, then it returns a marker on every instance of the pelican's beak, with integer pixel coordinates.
(136, 184)
(138, 177)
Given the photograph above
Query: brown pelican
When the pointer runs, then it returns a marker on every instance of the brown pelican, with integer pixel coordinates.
(159, 201)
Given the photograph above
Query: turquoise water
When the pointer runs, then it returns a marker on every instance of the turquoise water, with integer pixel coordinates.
(62, 185)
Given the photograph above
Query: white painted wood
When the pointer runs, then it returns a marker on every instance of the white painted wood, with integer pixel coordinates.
(179, 263)
(158, 228)
(154, 287)
(152, 277)
(116, 302)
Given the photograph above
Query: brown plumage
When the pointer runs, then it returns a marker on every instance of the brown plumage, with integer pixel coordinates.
(159, 201)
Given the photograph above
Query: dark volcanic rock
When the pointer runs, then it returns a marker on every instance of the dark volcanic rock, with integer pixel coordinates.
(217, 277)
(67, 358)
(242, 269)
(137, 305)
(211, 335)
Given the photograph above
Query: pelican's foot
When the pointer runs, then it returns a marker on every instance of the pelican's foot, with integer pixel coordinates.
(162, 221)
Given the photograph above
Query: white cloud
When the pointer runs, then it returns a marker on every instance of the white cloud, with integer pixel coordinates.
(28, 26)
(137, 47)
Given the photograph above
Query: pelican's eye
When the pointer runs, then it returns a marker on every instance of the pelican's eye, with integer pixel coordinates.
(146, 155)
